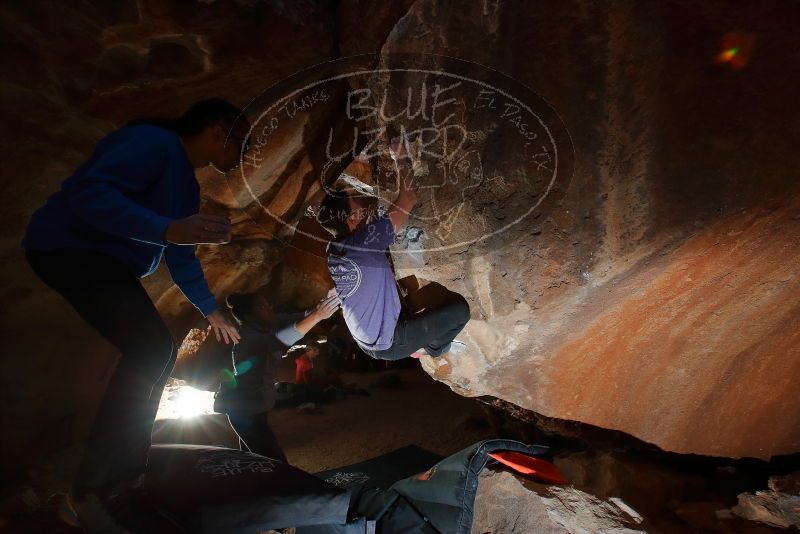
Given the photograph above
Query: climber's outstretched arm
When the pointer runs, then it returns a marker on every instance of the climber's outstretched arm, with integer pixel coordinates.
(401, 208)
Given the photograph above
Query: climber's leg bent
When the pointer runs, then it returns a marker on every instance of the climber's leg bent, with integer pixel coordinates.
(432, 329)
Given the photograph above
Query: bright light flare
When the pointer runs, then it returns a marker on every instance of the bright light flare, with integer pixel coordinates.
(180, 401)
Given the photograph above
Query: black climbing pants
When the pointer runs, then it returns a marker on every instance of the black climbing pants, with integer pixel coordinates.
(432, 329)
(111, 299)
(256, 435)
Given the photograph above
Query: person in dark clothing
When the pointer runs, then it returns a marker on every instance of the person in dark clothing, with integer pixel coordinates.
(265, 336)
(365, 283)
(133, 201)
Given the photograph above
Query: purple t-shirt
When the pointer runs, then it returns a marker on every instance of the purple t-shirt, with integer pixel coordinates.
(365, 284)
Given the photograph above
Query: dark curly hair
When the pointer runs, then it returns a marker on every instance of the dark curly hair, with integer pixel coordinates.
(199, 115)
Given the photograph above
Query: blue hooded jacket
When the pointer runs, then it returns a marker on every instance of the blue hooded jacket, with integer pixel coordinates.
(120, 203)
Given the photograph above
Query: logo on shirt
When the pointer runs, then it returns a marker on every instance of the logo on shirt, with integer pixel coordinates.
(346, 276)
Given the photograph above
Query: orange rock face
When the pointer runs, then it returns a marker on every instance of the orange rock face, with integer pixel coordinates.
(697, 347)
(659, 295)
(701, 346)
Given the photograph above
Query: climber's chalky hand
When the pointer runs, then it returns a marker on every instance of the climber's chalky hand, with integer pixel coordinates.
(223, 329)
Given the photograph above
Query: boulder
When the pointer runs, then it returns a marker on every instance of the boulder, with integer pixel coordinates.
(655, 290)
(508, 504)
(779, 506)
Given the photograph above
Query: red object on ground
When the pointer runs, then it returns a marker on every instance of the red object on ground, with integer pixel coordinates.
(530, 466)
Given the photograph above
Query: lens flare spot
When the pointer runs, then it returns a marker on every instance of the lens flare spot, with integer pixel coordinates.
(228, 379)
(243, 367)
(736, 49)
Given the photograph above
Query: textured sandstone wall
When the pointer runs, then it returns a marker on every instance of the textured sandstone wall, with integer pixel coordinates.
(660, 296)
(656, 294)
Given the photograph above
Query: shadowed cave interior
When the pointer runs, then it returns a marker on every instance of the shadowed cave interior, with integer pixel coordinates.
(612, 187)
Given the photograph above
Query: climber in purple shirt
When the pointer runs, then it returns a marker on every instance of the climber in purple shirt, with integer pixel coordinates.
(365, 283)
(135, 199)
